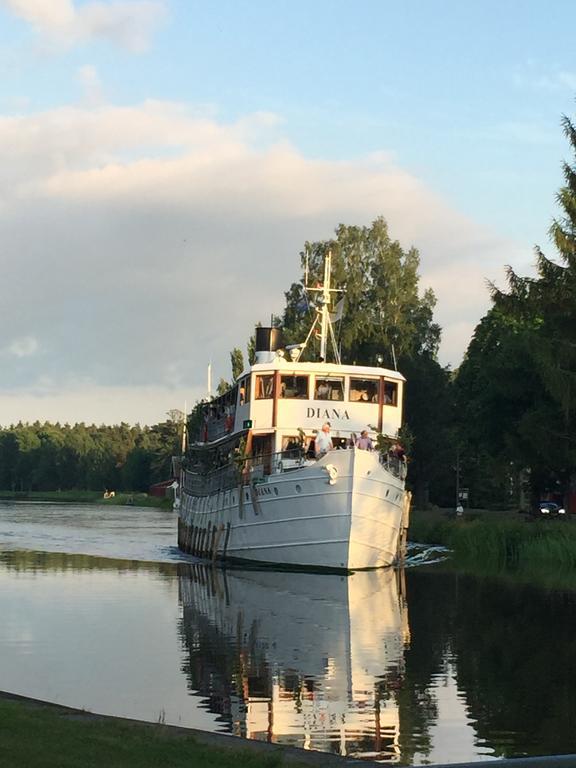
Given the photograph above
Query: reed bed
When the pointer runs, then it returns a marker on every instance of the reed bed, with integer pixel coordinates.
(499, 539)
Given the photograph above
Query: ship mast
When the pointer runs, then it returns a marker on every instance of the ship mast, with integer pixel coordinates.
(325, 300)
(326, 329)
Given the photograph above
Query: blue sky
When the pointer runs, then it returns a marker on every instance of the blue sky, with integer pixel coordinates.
(466, 95)
(456, 105)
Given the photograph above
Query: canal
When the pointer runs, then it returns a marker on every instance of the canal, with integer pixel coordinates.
(99, 610)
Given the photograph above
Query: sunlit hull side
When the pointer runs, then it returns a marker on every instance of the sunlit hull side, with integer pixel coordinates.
(343, 512)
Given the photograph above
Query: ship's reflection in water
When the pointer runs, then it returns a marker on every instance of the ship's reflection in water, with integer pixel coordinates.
(307, 660)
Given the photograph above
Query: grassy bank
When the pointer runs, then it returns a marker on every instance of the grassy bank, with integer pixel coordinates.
(499, 538)
(87, 497)
(37, 735)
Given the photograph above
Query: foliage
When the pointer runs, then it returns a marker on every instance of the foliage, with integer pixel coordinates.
(236, 362)
(51, 457)
(499, 539)
(383, 311)
(517, 386)
(429, 416)
(222, 387)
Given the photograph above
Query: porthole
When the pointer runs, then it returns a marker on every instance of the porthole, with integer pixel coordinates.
(387, 492)
(275, 491)
(298, 489)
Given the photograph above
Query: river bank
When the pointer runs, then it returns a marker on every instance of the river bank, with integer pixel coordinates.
(39, 734)
(498, 538)
(88, 497)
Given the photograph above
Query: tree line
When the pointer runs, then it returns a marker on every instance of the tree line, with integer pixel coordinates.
(48, 457)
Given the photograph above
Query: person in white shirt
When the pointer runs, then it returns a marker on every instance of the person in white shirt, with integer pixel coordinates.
(323, 442)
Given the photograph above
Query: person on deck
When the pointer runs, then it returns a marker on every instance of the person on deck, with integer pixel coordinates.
(364, 442)
(322, 390)
(323, 442)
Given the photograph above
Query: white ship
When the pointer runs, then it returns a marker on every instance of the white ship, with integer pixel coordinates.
(252, 488)
(306, 660)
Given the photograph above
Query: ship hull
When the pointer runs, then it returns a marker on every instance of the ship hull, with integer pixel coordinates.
(343, 512)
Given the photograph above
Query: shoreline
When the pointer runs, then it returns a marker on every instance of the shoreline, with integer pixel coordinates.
(122, 498)
(498, 539)
(94, 735)
(42, 734)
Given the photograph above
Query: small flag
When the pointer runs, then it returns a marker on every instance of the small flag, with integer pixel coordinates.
(338, 311)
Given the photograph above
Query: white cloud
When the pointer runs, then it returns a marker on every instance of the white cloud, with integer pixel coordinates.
(93, 404)
(26, 346)
(92, 90)
(128, 24)
(145, 241)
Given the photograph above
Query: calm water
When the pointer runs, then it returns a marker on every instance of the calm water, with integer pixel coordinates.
(99, 610)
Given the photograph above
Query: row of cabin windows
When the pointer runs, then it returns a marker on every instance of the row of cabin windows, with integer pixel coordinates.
(325, 388)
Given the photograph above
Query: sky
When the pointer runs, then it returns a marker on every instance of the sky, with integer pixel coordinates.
(162, 163)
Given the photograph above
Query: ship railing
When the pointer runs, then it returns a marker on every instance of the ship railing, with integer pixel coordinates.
(394, 464)
(217, 428)
(199, 482)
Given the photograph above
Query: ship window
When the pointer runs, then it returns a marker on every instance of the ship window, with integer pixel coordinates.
(330, 388)
(390, 393)
(364, 390)
(264, 387)
(244, 390)
(294, 386)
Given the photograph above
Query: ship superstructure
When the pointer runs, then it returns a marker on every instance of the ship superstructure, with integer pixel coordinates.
(253, 485)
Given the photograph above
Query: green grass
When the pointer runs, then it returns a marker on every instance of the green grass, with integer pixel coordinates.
(499, 538)
(36, 736)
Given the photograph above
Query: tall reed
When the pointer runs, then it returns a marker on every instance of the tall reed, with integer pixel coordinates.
(500, 540)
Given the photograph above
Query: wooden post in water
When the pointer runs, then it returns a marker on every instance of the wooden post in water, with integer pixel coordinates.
(404, 524)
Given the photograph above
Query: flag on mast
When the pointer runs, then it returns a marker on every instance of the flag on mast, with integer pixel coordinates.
(338, 311)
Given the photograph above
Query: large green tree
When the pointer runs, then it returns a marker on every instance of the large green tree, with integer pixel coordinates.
(383, 311)
(517, 385)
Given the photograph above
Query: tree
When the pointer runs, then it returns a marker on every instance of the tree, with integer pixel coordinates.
(383, 312)
(519, 375)
(223, 387)
(237, 362)
(499, 395)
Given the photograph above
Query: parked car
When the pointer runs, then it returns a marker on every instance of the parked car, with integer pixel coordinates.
(549, 509)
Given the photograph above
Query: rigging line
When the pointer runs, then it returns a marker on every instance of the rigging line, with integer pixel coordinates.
(332, 338)
(308, 337)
